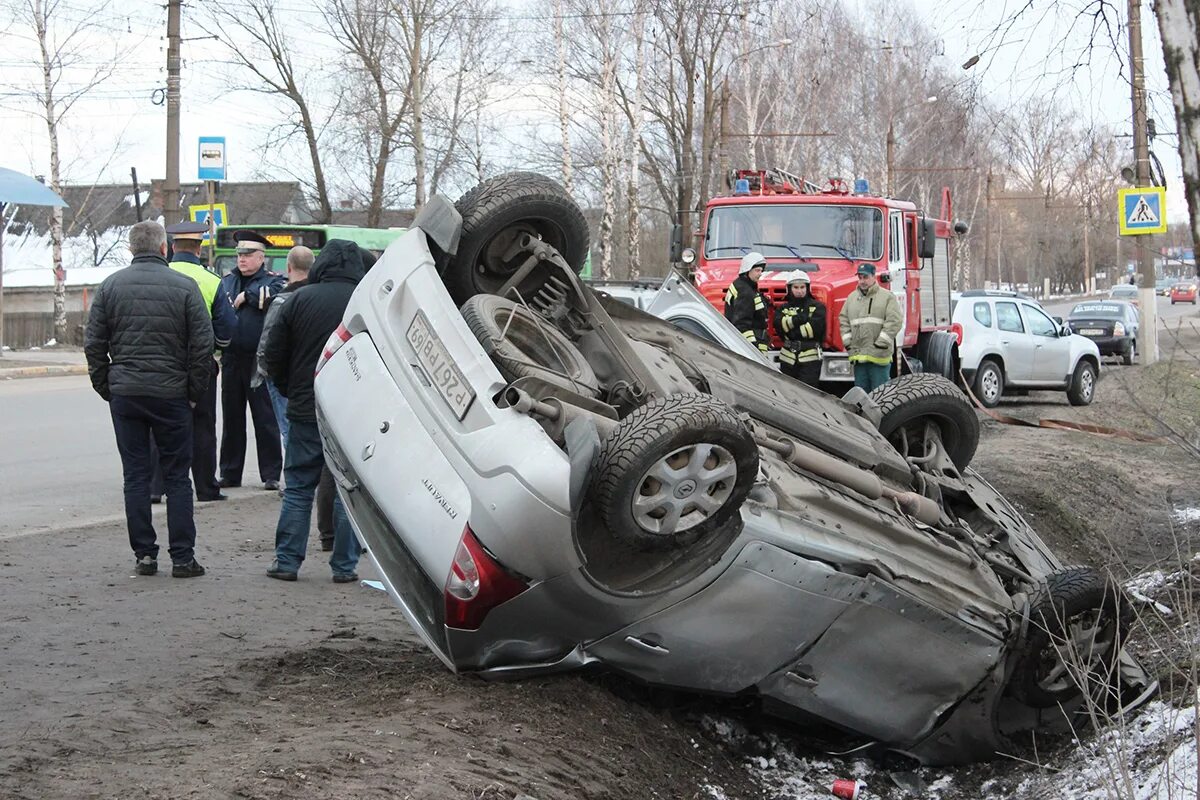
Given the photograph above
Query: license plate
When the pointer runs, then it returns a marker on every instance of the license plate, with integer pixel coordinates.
(1092, 331)
(439, 367)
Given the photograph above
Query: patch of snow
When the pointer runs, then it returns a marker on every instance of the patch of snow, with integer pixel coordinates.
(51, 343)
(1186, 514)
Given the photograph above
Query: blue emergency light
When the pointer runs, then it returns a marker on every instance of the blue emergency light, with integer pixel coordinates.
(861, 186)
(741, 186)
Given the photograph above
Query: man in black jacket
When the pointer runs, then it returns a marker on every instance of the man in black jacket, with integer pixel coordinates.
(251, 286)
(148, 344)
(294, 344)
(745, 306)
(800, 321)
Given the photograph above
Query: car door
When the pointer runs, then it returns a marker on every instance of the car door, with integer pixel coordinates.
(1051, 352)
(1016, 345)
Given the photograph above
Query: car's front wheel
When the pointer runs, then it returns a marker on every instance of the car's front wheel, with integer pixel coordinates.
(1076, 626)
(673, 471)
(1083, 384)
(920, 410)
(989, 384)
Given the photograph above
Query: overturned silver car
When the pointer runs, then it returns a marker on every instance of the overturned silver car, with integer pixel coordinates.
(548, 478)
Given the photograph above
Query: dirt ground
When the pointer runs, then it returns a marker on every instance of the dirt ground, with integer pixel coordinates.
(233, 685)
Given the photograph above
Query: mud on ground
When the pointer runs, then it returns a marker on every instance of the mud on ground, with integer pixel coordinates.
(234, 685)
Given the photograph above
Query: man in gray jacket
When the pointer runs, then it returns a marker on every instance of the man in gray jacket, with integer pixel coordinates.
(148, 344)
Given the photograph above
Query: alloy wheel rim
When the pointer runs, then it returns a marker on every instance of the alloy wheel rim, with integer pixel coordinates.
(684, 488)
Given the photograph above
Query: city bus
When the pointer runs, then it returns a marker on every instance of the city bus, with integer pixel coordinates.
(284, 237)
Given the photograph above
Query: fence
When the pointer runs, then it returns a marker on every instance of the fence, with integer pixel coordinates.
(33, 329)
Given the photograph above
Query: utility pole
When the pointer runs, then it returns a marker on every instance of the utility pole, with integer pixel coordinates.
(987, 232)
(1147, 345)
(891, 158)
(1089, 284)
(171, 185)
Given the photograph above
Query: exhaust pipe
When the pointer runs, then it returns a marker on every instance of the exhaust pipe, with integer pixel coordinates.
(555, 412)
(865, 483)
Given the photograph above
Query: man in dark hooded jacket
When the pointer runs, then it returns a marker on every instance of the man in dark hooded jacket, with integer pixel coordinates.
(294, 344)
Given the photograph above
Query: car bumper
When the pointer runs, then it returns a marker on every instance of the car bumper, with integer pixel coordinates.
(1112, 345)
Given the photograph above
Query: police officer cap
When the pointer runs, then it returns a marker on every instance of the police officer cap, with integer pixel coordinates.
(750, 261)
(866, 269)
(249, 240)
(188, 230)
(798, 276)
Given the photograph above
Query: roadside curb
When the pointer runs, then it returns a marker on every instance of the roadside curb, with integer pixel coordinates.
(42, 372)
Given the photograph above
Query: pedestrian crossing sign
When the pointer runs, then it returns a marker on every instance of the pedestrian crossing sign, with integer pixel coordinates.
(1143, 210)
(200, 214)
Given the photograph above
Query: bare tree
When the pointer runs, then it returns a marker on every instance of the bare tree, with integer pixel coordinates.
(257, 22)
(633, 200)
(66, 60)
(1179, 26)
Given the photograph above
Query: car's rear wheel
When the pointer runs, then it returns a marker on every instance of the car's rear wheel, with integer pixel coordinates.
(1130, 351)
(673, 472)
(522, 345)
(936, 352)
(921, 411)
(1076, 627)
(989, 384)
(1083, 384)
(496, 214)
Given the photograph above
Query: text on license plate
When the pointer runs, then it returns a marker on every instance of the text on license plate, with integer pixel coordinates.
(1092, 331)
(445, 375)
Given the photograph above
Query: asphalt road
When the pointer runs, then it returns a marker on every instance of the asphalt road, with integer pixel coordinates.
(59, 466)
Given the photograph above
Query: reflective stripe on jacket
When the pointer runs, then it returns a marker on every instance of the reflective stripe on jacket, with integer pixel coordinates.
(801, 324)
(869, 323)
(746, 308)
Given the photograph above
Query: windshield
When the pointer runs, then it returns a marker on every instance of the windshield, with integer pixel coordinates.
(797, 231)
(1126, 289)
(1101, 310)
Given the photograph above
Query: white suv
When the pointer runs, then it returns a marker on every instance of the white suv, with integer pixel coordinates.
(1009, 342)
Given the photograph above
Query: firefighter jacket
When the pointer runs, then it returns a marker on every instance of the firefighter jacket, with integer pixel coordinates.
(801, 324)
(869, 323)
(747, 309)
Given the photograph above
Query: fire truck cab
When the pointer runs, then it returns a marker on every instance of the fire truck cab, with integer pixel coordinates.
(827, 231)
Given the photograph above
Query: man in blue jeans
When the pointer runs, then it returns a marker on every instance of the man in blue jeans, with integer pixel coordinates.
(293, 345)
(149, 344)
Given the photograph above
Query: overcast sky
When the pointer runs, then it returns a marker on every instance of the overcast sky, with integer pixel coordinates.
(1042, 54)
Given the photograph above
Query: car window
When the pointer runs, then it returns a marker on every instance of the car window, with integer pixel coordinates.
(983, 314)
(693, 327)
(1008, 318)
(1039, 323)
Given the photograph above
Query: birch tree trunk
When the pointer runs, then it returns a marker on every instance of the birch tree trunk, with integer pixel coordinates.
(416, 87)
(1179, 27)
(608, 151)
(632, 198)
(563, 110)
(51, 112)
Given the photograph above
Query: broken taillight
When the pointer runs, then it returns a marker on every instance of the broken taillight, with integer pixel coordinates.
(477, 583)
(334, 343)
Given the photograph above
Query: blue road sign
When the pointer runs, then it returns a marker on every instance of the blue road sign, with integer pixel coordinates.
(212, 158)
(1143, 210)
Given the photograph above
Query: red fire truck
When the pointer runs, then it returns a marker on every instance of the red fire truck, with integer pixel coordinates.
(827, 231)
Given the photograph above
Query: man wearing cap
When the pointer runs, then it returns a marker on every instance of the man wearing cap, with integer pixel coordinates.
(187, 238)
(870, 321)
(800, 321)
(251, 286)
(745, 306)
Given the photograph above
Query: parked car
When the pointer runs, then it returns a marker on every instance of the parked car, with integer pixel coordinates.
(548, 478)
(1183, 293)
(1124, 291)
(1113, 326)
(1162, 286)
(1009, 342)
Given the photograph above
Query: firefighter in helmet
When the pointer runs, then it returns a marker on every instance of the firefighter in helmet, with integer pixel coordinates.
(745, 306)
(800, 321)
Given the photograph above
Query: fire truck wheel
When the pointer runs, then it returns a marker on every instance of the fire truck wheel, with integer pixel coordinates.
(495, 214)
(673, 472)
(937, 353)
(922, 410)
(1076, 629)
(521, 345)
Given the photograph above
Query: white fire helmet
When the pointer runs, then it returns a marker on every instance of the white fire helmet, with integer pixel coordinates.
(750, 261)
(798, 276)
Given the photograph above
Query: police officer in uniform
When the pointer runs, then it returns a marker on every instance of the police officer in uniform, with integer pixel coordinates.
(745, 306)
(800, 321)
(187, 240)
(251, 285)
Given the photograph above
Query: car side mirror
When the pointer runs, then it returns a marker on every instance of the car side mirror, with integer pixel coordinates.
(1063, 328)
(676, 251)
(926, 237)
(1059, 320)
